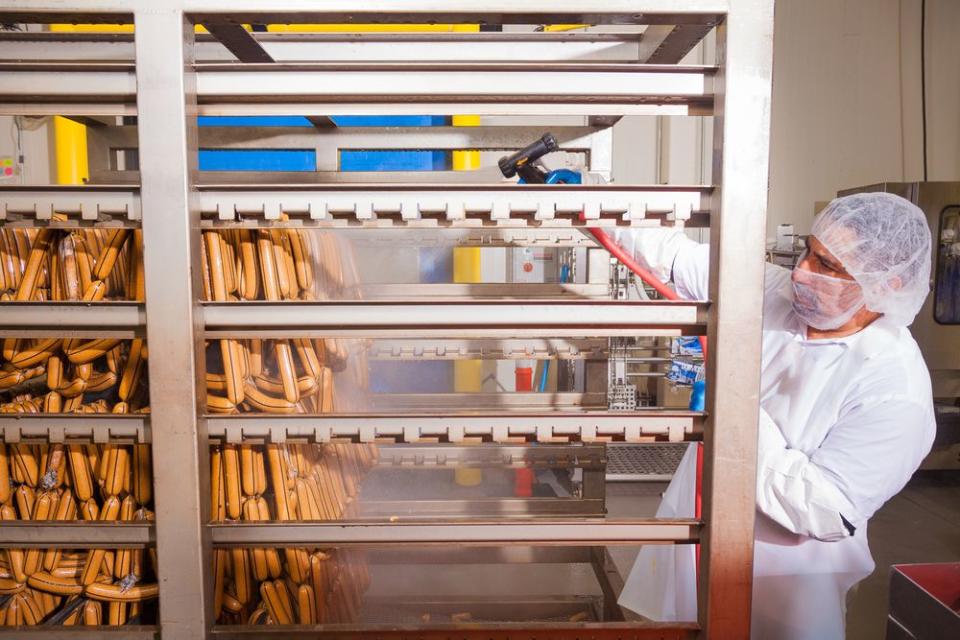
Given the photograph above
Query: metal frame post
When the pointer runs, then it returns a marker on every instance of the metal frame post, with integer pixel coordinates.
(166, 107)
(737, 230)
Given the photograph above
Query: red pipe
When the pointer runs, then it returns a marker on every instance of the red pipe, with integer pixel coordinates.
(607, 243)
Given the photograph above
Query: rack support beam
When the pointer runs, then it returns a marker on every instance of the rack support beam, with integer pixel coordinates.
(166, 100)
(742, 135)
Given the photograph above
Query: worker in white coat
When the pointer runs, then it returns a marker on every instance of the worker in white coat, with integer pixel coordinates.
(846, 412)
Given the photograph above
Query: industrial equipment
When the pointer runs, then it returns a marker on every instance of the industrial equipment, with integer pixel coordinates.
(375, 402)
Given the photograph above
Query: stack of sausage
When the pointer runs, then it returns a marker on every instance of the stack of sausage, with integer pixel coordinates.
(113, 482)
(71, 482)
(73, 587)
(83, 264)
(283, 482)
(287, 483)
(71, 375)
(278, 376)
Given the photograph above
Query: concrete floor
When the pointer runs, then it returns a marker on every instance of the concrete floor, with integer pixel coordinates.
(921, 524)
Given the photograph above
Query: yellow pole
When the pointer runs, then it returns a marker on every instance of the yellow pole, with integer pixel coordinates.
(69, 137)
(564, 27)
(70, 147)
(467, 374)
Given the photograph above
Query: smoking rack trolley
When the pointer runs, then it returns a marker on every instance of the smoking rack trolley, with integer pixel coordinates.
(162, 77)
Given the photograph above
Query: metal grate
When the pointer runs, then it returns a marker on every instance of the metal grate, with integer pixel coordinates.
(643, 462)
(622, 397)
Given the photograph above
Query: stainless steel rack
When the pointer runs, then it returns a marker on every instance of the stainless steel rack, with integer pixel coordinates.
(164, 76)
(583, 426)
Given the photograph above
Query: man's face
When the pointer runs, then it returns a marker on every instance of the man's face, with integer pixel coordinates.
(818, 260)
(823, 289)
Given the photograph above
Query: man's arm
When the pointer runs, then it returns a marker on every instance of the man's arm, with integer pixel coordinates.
(670, 255)
(867, 458)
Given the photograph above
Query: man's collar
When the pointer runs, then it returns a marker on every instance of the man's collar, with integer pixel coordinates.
(868, 342)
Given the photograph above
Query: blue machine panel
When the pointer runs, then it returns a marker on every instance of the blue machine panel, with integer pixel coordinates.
(258, 160)
(394, 160)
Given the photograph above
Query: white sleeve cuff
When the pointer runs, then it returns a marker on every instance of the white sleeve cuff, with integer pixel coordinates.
(793, 491)
(655, 248)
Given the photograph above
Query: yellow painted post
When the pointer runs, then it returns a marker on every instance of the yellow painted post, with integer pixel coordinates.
(564, 27)
(468, 374)
(113, 28)
(466, 260)
(69, 137)
(70, 147)
(93, 28)
(368, 28)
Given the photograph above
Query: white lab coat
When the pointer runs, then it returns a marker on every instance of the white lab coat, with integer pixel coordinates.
(844, 423)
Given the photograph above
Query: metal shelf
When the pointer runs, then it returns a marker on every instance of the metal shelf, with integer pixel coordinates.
(508, 349)
(513, 554)
(487, 319)
(72, 428)
(494, 455)
(410, 608)
(76, 534)
(445, 88)
(445, 205)
(591, 142)
(474, 291)
(93, 205)
(636, 630)
(461, 237)
(358, 47)
(504, 427)
(584, 532)
(464, 11)
(379, 205)
(457, 401)
(81, 88)
(490, 137)
(346, 88)
(126, 632)
(72, 319)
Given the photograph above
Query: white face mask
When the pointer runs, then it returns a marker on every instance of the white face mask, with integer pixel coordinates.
(824, 302)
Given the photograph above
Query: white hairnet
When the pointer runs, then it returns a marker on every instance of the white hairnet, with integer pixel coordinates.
(883, 241)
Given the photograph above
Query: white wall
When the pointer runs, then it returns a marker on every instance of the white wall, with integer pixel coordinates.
(846, 99)
(943, 86)
(34, 146)
(846, 106)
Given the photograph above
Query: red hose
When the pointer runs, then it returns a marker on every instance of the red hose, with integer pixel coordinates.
(607, 243)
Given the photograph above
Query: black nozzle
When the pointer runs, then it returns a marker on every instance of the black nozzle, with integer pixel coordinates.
(510, 165)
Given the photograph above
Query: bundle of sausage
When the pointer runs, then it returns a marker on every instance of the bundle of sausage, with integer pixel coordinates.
(83, 264)
(278, 376)
(288, 483)
(71, 587)
(71, 375)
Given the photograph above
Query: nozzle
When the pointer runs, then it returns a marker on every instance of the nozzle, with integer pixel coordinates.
(509, 165)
